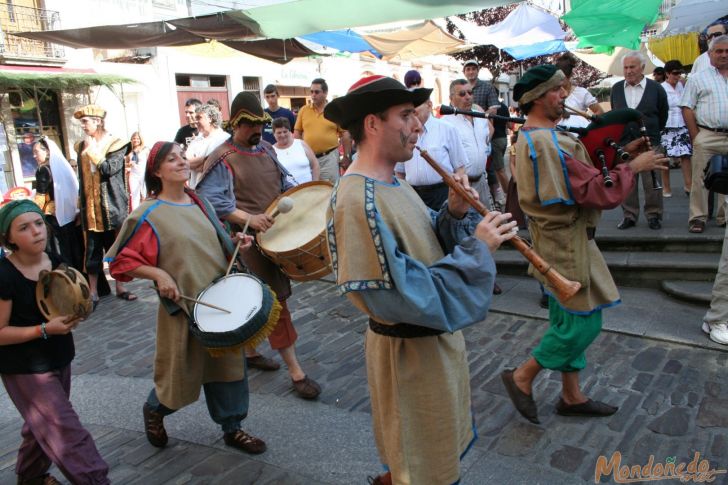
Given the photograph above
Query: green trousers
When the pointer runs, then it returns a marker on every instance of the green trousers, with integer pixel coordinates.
(562, 346)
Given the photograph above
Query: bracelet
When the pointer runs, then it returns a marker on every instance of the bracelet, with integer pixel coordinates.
(43, 331)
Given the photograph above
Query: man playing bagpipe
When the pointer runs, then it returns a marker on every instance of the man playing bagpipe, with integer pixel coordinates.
(563, 194)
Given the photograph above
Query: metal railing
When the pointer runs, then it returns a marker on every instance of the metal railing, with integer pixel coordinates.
(15, 18)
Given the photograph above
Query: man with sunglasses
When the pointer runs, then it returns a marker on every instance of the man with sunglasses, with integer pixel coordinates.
(322, 135)
(714, 30)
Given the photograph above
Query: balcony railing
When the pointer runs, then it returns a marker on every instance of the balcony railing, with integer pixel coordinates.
(14, 18)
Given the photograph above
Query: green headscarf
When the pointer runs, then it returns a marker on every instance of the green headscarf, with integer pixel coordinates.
(13, 209)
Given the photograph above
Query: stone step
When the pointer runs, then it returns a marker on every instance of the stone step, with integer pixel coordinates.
(692, 291)
(643, 269)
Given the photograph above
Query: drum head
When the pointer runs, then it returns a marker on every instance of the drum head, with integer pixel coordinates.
(241, 294)
(305, 222)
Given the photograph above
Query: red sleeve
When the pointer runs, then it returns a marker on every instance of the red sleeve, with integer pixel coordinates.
(141, 250)
(587, 184)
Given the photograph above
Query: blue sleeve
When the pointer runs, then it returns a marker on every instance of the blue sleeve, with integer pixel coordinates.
(217, 188)
(449, 295)
(451, 231)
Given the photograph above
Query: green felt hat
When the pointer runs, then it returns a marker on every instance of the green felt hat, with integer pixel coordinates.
(536, 82)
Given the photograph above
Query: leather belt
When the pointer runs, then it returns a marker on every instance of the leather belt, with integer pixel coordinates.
(429, 187)
(319, 155)
(403, 330)
(475, 179)
(590, 232)
(717, 130)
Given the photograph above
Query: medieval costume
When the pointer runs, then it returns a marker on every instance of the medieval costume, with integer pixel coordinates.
(421, 278)
(157, 234)
(104, 196)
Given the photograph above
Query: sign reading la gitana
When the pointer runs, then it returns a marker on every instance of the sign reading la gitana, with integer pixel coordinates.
(698, 470)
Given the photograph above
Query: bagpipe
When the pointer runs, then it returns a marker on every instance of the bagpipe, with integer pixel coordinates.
(600, 137)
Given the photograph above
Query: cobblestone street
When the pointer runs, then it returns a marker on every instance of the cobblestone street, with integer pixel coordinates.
(673, 401)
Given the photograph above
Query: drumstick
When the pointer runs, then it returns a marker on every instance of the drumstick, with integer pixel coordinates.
(237, 248)
(199, 302)
(284, 205)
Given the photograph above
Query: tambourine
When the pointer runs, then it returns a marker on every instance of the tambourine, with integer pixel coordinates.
(63, 291)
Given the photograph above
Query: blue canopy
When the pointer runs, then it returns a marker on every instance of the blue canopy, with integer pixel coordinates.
(521, 52)
(342, 40)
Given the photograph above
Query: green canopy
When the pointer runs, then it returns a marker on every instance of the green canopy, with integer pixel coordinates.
(293, 19)
(59, 81)
(604, 24)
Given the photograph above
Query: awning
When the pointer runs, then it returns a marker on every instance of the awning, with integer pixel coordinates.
(694, 15)
(169, 33)
(605, 24)
(411, 43)
(294, 19)
(276, 50)
(524, 26)
(55, 78)
(611, 63)
(683, 47)
(342, 40)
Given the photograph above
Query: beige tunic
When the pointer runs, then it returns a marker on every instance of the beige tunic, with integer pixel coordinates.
(190, 252)
(558, 226)
(419, 387)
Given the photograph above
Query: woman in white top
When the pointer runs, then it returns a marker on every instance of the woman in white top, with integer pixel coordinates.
(294, 154)
(579, 98)
(675, 136)
(210, 135)
(136, 163)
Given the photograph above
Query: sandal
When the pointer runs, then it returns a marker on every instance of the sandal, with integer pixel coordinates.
(243, 441)
(126, 295)
(697, 227)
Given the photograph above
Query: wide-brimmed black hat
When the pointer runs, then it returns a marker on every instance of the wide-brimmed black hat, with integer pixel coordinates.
(372, 94)
(246, 107)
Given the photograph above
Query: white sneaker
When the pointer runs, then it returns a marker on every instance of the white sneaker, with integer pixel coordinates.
(706, 328)
(719, 333)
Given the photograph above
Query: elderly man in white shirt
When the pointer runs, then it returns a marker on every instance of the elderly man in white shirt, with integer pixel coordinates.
(475, 134)
(705, 110)
(443, 144)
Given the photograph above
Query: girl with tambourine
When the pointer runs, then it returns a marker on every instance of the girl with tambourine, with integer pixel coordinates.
(35, 358)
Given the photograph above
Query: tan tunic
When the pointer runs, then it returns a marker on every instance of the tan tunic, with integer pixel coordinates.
(419, 387)
(558, 226)
(181, 364)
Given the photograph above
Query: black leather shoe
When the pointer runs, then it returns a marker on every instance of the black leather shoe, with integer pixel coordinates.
(654, 223)
(523, 403)
(626, 223)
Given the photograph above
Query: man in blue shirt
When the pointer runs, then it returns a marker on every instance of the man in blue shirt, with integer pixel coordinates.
(271, 97)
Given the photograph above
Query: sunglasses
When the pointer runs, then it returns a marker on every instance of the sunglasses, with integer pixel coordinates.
(463, 93)
(715, 34)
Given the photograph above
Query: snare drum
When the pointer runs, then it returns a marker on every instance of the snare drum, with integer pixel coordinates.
(253, 307)
(63, 291)
(297, 240)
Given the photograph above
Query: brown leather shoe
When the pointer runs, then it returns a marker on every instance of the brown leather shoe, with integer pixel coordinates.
(261, 362)
(245, 442)
(46, 479)
(307, 388)
(154, 427)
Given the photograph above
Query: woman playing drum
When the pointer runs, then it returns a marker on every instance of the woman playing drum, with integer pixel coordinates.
(174, 239)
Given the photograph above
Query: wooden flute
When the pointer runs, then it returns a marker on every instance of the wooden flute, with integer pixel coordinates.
(565, 289)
